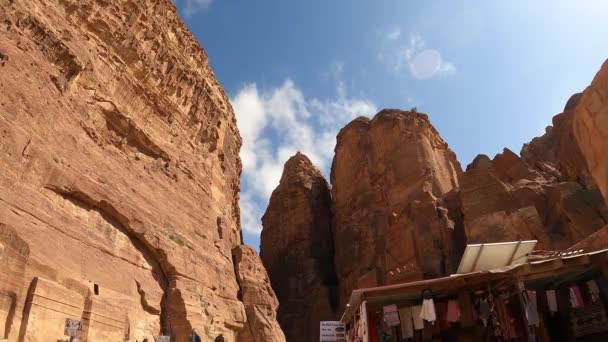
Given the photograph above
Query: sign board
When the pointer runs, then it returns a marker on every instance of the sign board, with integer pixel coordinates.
(332, 331)
(72, 328)
(162, 339)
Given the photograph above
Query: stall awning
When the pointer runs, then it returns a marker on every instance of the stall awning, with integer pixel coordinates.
(522, 271)
(489, 256)
(412, 290)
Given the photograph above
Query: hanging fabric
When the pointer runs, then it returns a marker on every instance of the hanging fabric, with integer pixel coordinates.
(576, 300)
(364, 323)
(391, 315)
(594, 290)
(453, 314)
(552, 301)
(418, 322)
(529, 302)
(372, 322)
(428, 310)
(484, 311)
(407, 327)
(441, 312)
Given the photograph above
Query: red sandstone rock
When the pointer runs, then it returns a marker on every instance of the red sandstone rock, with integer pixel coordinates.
(556, 153)
(297, 249)
(505, 200)
(120, 175)
(591, 128)
(387, 176)
(259, 298)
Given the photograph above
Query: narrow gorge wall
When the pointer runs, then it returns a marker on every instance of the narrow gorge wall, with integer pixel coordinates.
(120, 177)
(297, 249)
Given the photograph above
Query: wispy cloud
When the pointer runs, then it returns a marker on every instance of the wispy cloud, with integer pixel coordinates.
(275, 123)
(193, 6)
(394, 34)
(422, 63)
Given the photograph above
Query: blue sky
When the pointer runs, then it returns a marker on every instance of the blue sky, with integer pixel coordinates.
(490, 74)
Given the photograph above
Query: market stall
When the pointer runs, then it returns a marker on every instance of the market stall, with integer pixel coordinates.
(556, 297)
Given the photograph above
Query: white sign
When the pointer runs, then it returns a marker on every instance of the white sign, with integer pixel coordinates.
(72, 328)
(332, 331)
(162, 339)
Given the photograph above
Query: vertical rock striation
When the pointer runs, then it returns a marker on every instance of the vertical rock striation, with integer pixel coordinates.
(120, 176)
(591, 128)
(258, 297)
(297, 249)
(389, 175)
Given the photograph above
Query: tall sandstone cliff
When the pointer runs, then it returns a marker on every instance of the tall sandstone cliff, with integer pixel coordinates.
(297, 249)
(120, 179)
(388, 177)
(591, 128)
(402, 208)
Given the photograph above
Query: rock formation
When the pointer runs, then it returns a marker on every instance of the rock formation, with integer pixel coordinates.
(297, 250)
(591, 128)
(402, 208)
(388, 177)
(259, 299)
(120, 179)
(505, 199)
(548, 194)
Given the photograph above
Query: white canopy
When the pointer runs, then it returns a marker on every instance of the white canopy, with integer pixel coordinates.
(489, 256)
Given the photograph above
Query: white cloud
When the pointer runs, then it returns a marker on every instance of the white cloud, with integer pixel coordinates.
(394, 34)
(422, 63)
(193, 6)
(278, 122)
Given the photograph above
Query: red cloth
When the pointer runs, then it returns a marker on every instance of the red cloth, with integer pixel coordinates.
(442, 310)
(453, 314)
(372, 322)
(576, 300)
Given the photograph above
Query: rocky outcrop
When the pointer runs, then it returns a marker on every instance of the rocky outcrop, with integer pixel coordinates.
(591, 128)
(258, 297)
(389, 175)
(505, 199)
(297, 249)
(548, 194)
(555, 153)
(120, 176)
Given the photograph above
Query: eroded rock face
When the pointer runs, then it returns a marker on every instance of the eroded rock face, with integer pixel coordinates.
(506, 199)
(14, 254)
(556, 153)
(388, 177)
(297, 249)
(120, 174)
(258, 297)
(591, 128)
